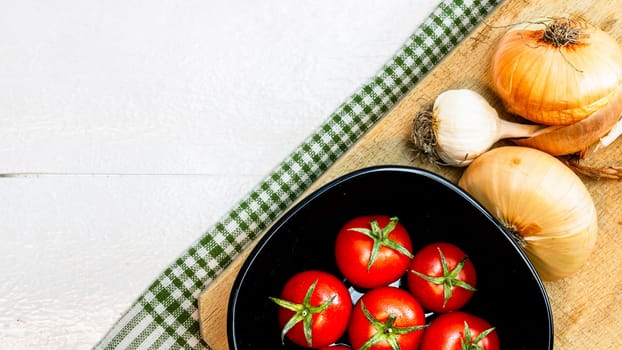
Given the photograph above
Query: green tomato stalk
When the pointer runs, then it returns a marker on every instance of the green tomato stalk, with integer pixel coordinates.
(303, 312)
(449, 279)
(386, 331)
(470, 343)
(380, 236)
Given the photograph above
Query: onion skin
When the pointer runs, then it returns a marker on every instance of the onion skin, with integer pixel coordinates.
(541, 201)
(579, 136)
(555, 84)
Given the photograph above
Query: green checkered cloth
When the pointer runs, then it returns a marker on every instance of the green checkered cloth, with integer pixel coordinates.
(166, 315)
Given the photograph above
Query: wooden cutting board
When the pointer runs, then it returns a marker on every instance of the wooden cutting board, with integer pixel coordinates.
(587, 306)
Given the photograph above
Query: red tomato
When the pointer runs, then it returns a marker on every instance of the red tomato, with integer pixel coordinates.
(315, 309)
(386, 318)
(457, 330)
(372, 251)
(442, 277)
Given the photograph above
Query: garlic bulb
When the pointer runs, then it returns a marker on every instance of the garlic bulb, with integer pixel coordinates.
(461, 126)
(541, 201)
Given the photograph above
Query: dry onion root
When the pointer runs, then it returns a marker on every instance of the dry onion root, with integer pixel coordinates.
(574, 162)
(541, 201)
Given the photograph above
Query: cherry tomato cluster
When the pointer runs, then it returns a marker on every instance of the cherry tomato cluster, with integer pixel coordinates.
(316, 308)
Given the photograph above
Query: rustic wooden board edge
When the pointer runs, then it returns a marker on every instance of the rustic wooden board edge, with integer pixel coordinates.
(213, 315)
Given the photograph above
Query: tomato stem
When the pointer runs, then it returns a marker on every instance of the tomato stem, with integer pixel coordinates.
(449, 279)
(302, 312)
(380, 237)
(385, 331)
(470, 343)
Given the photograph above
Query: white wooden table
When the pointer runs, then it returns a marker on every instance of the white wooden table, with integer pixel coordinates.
(128, 128)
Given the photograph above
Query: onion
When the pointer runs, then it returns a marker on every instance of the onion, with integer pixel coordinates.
(556, 71)
(541, 201)
(561, 71)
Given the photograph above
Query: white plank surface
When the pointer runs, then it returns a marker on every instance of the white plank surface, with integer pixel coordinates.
(128, 128)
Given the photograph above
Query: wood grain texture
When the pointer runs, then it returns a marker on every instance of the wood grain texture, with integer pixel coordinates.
(587, 306)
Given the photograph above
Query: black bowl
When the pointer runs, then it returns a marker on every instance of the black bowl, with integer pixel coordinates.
(510, 294)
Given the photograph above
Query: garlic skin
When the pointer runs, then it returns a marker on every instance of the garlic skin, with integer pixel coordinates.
(466, 126)
(461, 126)
(540, 200)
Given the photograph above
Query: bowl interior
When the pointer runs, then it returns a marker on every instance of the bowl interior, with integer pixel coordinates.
(510, 295)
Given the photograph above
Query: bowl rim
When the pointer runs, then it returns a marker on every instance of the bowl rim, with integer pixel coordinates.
(285, 217)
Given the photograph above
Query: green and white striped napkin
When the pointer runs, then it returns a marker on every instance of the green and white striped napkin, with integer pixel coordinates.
(165, 316)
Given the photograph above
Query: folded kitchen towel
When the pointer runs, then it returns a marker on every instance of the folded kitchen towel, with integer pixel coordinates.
(165, 316)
